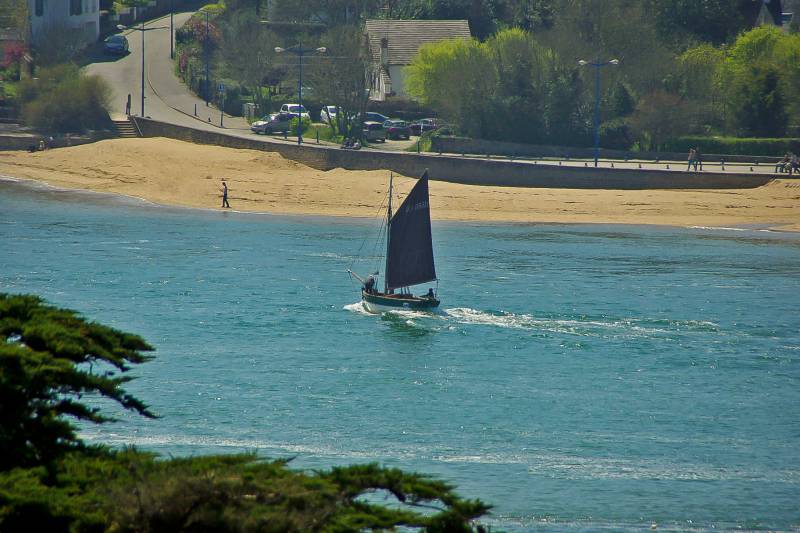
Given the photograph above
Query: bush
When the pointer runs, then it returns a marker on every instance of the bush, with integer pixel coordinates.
(64, 100)
(293, 125)
(615, 134)
(733, 145)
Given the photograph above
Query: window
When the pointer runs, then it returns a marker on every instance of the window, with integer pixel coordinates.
(75, 7)
(39, 8)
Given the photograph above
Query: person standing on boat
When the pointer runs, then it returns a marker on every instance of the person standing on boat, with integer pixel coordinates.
(369, 284)
(225, 195)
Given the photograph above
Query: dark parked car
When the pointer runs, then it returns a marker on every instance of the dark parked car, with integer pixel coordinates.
(116, 45)
(375, 117)
(272, 123)
(373, 131)
(421, 126)
(397, 129)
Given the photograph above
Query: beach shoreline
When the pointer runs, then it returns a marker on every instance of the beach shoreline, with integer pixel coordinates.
(173, 173)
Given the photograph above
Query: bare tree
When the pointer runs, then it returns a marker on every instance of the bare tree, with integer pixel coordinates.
(247, 53)
(341, 77)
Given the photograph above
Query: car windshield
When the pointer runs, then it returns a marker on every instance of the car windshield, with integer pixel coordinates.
(115, 39)
(296, 108)
(332, 109)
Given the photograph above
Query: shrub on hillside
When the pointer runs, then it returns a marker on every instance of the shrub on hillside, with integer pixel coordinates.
(64, 100)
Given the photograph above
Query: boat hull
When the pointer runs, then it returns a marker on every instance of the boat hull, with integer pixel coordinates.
(381, 303)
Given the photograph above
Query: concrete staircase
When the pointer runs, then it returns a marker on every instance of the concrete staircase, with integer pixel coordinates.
(125, 129)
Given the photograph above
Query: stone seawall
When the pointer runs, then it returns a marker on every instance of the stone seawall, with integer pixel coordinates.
(470, 171)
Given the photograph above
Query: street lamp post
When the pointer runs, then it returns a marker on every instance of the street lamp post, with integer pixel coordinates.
(300, 51)
(597, 65)
(142, 29)
(171, 30)
(205, 49)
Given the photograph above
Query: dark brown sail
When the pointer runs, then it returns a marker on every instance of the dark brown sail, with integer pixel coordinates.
(410, 252)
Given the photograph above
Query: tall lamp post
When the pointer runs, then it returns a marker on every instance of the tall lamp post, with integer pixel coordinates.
(171, 30)
(597, 65)
(140, 29)
(300, 51)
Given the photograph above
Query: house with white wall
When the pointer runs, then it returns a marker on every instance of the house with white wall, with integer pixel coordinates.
(81, 16)
(393, 44)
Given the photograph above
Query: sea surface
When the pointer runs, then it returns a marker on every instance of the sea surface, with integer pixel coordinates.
(578, 378)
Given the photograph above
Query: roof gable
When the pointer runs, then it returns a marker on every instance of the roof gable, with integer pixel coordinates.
(406, 36)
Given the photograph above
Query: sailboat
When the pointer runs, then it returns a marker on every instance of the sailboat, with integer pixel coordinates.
(409, 256)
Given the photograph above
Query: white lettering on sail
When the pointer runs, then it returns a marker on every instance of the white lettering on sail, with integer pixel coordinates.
(416, 207)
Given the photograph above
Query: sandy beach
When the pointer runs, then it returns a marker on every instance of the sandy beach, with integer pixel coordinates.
(171, 172)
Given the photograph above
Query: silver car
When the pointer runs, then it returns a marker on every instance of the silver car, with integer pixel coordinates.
(374, 131)
(279, 122)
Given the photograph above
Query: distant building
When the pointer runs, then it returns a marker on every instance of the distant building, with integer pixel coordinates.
(790, 12)
(394, 43)
(80, 16)
(770, 13)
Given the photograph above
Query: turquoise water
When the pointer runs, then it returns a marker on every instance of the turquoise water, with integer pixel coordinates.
(578, 377)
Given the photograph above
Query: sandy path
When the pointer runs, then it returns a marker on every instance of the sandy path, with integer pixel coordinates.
(171, 172)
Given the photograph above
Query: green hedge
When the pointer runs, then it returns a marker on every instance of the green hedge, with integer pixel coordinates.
(733, 145)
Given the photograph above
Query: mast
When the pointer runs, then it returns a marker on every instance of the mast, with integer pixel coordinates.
(388, 237)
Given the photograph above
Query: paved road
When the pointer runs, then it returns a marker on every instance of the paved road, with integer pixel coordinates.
(166, 97)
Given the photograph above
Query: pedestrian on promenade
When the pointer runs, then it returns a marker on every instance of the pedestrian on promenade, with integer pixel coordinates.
(698, 159)
(128, 105)
(691, 159)
(225, 195)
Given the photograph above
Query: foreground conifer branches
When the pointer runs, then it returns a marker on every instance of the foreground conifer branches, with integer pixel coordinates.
(51, 481)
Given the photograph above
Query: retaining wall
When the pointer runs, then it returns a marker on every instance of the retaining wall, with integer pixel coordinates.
(471, 171)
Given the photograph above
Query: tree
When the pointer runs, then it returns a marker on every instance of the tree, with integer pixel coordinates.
(715, 21)
(341, 76)
(659, 116)
(508, 88)
(49, 359)
(49, 481)
(759, 104)
(247, 53)
(758, 78)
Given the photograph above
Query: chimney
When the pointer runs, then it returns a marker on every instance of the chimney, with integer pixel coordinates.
(385, 51)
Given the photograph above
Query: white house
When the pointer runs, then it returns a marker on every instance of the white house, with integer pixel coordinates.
(83, 16)
(394, 43)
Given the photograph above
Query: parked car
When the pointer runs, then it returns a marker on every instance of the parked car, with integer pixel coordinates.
(294, 109)
(375, 117)
(421, 126)
(116, 45)
(397, 129)
(278, 122)
(328, 113)
(373, 131)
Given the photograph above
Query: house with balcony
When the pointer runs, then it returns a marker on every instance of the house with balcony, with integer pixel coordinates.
(79, 16)
(393, 45)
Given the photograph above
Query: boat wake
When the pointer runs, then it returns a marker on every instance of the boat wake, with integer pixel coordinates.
(577, 325)
(582, 325)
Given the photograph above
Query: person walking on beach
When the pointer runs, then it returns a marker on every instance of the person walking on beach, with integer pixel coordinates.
(225, 195)
(691, 159)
